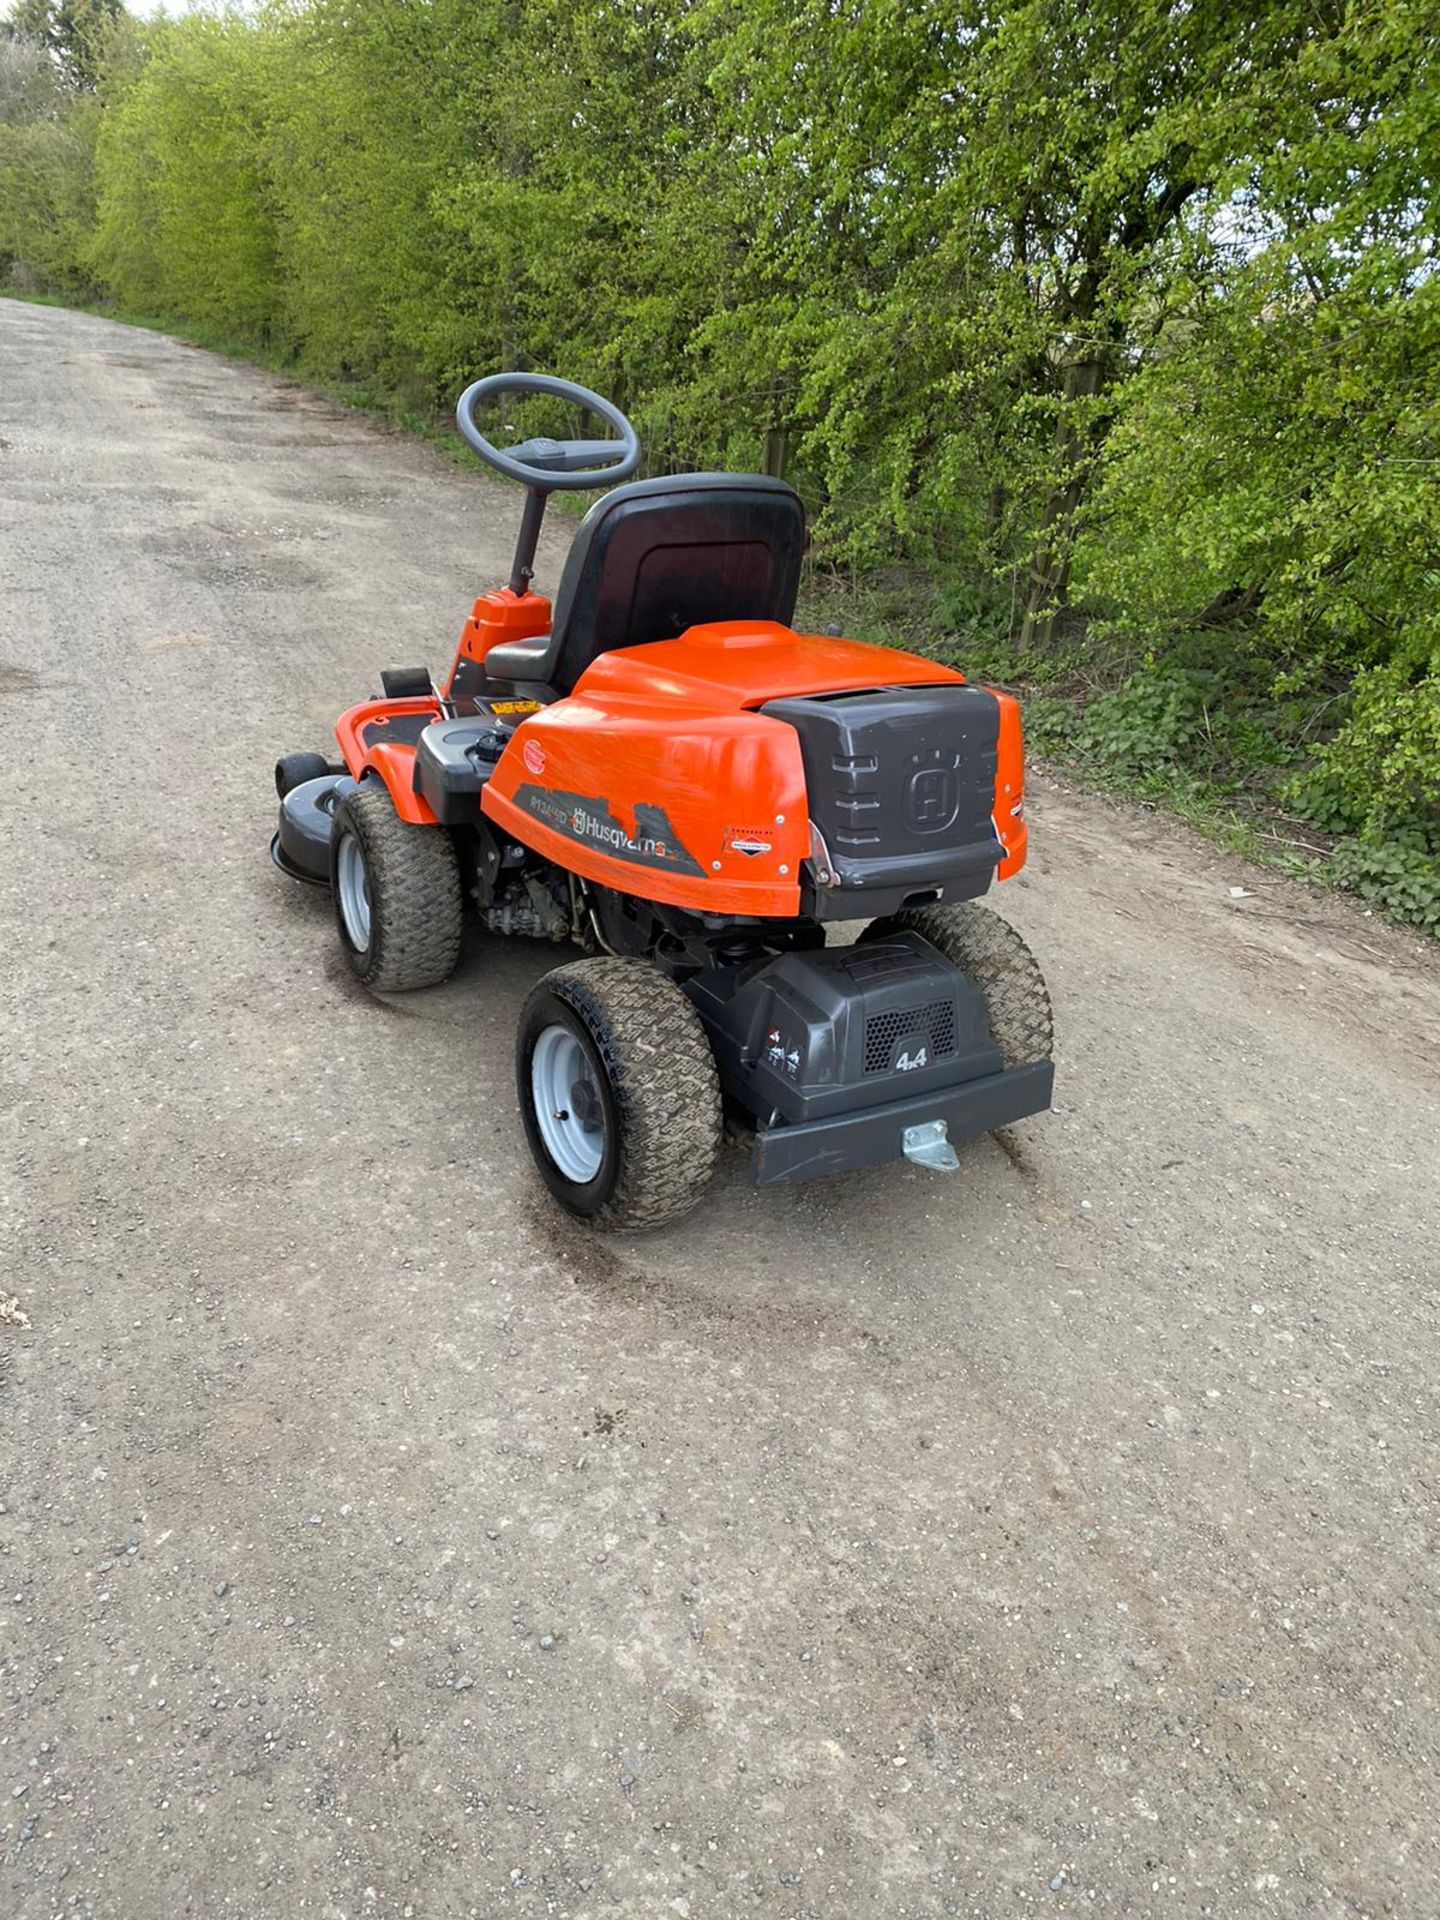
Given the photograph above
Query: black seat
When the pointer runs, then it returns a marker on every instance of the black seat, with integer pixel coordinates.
(657, 556)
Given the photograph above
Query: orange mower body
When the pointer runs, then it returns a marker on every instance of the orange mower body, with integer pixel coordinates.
(661, 769)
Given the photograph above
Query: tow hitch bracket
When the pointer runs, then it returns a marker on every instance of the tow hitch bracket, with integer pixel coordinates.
(929, 1145)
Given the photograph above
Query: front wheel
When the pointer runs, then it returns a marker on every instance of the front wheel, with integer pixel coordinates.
(294, 769)
(396, 888)
(619, 1093)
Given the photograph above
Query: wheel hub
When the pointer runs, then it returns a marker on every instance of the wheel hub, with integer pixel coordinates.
(353, 886)
(569, 1110)
(585, 1105)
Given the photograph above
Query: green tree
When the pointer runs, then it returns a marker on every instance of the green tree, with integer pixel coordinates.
(73, 32)
(1103, 316)
(28, 89)
(185, 222)
(49, 119)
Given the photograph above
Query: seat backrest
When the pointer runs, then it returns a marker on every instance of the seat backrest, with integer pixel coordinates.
(657, 556)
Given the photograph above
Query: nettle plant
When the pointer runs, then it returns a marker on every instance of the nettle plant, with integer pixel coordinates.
(1377, 784)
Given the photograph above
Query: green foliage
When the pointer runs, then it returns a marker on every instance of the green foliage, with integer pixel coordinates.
(1168, 718)
(1402, 880)
(76, 34)
(47, 206)
(185, 224)
(1153, 721)
(1273, 465)
(1379, 776)
(1102, 337)
(47, 152)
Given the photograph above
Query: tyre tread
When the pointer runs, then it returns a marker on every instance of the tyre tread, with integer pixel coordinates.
(663, 1082)
(996, 957)
(416, 907)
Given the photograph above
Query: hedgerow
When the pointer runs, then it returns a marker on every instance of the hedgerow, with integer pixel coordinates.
(1100, 336)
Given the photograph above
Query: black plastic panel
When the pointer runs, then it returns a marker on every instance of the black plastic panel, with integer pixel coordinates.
(901, 782)
(846, 1142)
(842, 1027)
(302, 842)
(406, 683)
(887, 1034)
(453, 760)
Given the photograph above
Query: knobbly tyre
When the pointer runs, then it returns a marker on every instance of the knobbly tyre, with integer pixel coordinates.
(660, 770)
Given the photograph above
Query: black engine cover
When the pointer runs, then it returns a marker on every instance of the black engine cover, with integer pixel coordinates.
(810, 1034)
(901, 782)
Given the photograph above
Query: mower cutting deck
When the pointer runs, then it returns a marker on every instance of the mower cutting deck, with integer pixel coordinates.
(663, 772)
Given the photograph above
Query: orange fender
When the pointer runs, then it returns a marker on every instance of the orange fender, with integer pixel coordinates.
(378, 737)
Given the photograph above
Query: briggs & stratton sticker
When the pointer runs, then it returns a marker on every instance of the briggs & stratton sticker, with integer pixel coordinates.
(749, 840)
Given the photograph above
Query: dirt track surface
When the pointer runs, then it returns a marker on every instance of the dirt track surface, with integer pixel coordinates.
(1058, 1538)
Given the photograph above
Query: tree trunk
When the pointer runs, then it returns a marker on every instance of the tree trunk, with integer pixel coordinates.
(775, 450)
(1050, 564)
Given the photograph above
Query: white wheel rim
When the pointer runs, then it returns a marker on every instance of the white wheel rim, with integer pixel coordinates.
(354, 888)
(568, 1108)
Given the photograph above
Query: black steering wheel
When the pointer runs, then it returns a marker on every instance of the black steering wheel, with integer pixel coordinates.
(551, 465)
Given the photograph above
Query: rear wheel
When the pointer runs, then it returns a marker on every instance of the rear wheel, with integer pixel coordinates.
(993, 955)
(396, 888)
(619, 1093)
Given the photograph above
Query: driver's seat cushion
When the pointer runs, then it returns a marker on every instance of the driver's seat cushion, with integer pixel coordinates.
(520, 659)
(657, 556)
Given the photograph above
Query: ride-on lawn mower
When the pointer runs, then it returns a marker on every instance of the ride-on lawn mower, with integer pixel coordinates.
(666, 774)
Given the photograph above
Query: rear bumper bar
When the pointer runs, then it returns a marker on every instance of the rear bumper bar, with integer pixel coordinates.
(843, 1142)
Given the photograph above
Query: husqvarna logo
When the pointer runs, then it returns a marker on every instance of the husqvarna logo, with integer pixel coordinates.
(932, 796)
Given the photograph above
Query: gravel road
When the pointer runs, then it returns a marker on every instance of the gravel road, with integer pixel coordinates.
(1057, 1538)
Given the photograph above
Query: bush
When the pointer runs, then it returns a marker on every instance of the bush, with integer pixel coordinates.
(1380, 775)
(1206, 720)
(1156, 719)
(1404, 880)
(1115, 321)
(47, 204)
